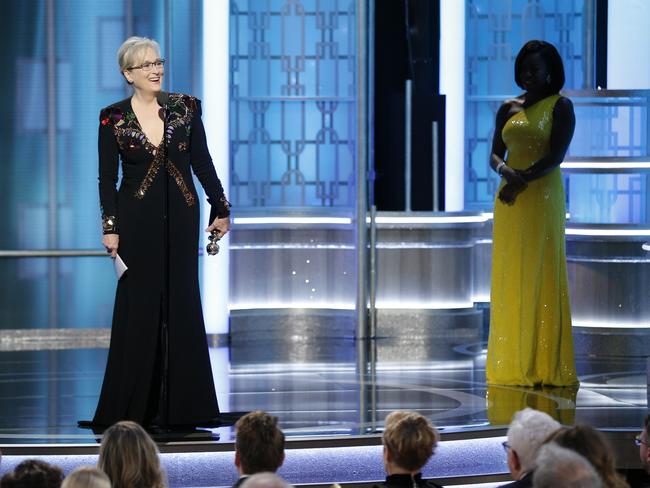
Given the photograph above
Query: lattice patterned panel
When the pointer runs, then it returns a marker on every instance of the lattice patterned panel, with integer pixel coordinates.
(292, 119)
(495, 31)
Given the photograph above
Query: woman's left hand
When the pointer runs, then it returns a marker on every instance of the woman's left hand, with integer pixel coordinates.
(222, 226)
(508, 194)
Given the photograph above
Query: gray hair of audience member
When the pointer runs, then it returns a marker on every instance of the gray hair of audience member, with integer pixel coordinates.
(527, 432)
(558, 467)
(87, 477)
(265, 480)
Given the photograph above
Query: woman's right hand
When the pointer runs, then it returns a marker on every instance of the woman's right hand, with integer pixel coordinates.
(512, 176)
(111, 242)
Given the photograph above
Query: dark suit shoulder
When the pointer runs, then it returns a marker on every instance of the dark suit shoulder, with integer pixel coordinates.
(406, 483)
(525, 482)
(239, 482)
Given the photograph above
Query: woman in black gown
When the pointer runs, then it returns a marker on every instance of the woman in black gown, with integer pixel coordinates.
(157, 374)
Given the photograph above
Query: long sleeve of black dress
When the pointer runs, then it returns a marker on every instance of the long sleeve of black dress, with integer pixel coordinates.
(108, 173)
(203, 168)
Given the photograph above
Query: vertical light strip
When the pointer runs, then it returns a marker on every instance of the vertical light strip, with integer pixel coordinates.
(627, 37)
(52, 173)
(215, 269)
(361, 236)
(452, 84)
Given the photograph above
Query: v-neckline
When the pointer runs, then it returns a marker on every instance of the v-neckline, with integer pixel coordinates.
(135, 118)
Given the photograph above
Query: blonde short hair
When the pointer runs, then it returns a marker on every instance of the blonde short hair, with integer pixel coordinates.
(86, 477)
(410, 438)
(130, 457)
(131, 52)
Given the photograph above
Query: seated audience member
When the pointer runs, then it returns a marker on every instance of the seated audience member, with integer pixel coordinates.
(644, 454)
(265, 480)
(593, 446)
(130, 457)
(409, 441)
(33, 473)
(86, 477)
(259, 445)
(558, 467)
(527, 432)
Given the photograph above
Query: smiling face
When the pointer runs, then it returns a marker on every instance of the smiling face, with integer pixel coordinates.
(146, 81)
(534, 73)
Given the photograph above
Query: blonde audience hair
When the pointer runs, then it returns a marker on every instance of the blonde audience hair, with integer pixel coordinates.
(132, 51)
(410, 438)
(130, 457)
(87, 477)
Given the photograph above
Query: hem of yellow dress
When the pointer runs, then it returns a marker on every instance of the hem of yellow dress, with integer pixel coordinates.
(534, 385)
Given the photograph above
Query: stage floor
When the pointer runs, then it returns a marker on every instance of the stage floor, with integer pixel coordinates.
(331, 397)
(43, 393)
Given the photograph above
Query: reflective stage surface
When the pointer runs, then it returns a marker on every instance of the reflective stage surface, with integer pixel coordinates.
(331, 396)
(329, 387)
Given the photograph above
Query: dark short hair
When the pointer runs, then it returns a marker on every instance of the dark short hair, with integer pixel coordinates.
(646, 424)
(32, 473)
(259, 442)
(550, 56)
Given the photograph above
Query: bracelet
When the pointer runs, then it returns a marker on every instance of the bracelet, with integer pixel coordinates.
(500, 167)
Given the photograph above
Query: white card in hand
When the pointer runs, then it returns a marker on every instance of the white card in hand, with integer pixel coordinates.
(120, 266)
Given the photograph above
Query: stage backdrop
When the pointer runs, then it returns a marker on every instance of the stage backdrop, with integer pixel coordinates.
(60, 64)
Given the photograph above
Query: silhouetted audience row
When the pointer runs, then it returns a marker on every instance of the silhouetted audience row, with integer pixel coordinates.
(540, 454)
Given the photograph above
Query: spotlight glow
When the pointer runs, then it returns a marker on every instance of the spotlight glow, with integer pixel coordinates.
(386, 305)
(292, 305)
(452, 85)
(602, 324)
(616, 166)
(215, 269)
(423, 219)
(381, 305)
(597, 232)
(291, 220)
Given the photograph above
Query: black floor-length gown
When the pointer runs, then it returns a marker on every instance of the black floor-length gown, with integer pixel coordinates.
(134, 374)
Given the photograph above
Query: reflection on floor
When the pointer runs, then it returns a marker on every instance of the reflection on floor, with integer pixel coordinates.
(325, 391)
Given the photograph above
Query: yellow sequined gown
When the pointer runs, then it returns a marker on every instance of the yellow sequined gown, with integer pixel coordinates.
(530, 341)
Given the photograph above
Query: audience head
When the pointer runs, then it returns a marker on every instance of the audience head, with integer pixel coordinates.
(593, 446)
(642, 440)
(558, 467)
(130, 457)
(33, 473)
(265, 480)
(527, 432)
(86, 477)
(409, 440)
(259, 444)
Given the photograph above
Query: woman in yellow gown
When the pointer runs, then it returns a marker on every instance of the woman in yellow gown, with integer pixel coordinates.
(530, 342)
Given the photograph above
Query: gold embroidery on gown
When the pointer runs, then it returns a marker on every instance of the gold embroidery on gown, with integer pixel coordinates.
(530, 340)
